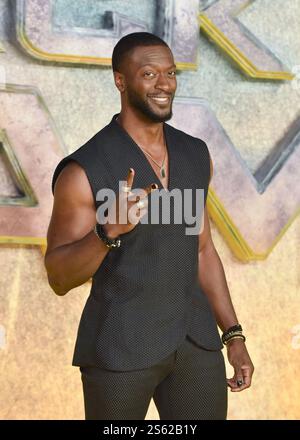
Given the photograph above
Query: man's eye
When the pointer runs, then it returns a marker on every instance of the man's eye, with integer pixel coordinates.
(173, 73)
(149, 74)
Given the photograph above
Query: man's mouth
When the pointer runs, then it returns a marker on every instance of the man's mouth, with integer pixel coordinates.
(160, 99)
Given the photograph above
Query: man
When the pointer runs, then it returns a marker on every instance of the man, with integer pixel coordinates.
(149, 327)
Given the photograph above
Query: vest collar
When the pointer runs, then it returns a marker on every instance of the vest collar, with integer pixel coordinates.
(170, 147)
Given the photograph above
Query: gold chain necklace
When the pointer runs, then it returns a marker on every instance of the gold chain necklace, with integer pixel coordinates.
(161, 167)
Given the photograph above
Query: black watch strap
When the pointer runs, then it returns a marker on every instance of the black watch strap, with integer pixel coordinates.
(110, 242)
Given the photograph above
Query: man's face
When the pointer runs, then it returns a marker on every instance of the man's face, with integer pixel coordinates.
(150, 76)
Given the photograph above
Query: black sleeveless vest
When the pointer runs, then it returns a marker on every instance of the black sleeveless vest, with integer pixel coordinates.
(145, 296)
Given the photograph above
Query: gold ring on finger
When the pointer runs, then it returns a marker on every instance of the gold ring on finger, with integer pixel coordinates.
(126, 189)
(140, 204)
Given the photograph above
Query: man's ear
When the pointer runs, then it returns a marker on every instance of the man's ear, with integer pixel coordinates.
(119, 81)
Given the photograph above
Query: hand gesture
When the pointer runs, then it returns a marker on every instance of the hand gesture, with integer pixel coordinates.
(128, 207)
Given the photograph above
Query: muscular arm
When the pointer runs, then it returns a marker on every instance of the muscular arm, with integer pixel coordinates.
(74, 252)
(212, 277)
(212, 280)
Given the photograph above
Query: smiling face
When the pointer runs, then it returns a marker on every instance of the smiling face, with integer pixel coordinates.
(148, 81)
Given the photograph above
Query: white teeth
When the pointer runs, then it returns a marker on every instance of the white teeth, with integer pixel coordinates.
(160, 99)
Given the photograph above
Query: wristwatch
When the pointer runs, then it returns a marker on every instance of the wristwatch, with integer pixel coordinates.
(110, 242)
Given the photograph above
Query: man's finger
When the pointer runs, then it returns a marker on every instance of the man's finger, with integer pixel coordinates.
(137, 194)
(142, 203)
(130, 177)
(241, 388)
(246, 375)
(125, 189)
(150, 188)
(142, 212)
(242, 381)
(231, 383)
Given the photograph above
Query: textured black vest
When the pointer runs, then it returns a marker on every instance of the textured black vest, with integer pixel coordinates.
(145, 296)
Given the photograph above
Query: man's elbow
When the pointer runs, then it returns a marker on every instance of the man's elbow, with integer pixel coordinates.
(54, 277)
(55, 283)
(57, 288)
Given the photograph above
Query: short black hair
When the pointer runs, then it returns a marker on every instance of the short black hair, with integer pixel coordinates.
(130, 42)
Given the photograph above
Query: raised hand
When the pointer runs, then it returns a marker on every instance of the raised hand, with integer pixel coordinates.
(132, 204)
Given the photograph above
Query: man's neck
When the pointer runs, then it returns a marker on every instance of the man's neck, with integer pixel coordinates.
(143, 131)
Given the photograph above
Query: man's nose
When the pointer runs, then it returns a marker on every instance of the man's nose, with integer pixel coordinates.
(163, 82)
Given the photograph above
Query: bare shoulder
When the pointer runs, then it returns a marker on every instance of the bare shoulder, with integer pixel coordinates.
(71, 175)
(72, 183)
(74, 212)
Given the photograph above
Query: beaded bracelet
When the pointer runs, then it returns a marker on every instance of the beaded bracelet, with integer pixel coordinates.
(232, 331)
(234, 328)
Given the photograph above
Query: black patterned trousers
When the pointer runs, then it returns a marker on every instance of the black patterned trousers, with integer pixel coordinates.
(189, 384)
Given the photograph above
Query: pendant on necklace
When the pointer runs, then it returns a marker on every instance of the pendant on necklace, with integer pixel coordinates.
(162, 172)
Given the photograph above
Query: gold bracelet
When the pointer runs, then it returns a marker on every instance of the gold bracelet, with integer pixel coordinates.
(235, 337)
(226, 338)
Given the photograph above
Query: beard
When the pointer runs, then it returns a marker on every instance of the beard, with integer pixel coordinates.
(155, 115)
